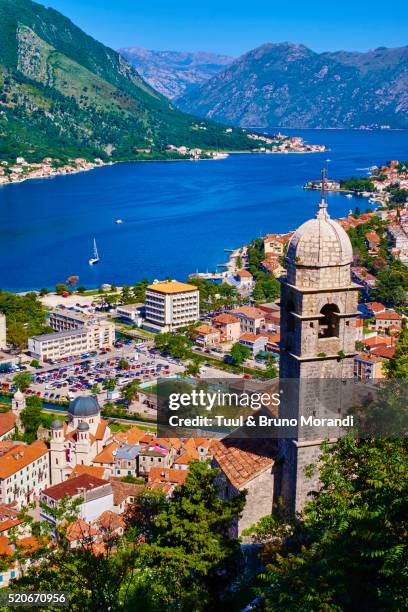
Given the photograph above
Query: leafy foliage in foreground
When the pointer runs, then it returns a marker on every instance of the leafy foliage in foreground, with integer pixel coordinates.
(176, 553)
(349, 550)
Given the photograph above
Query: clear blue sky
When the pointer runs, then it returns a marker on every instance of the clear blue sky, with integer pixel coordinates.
(236, 26)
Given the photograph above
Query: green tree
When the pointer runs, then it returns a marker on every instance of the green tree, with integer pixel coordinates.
(240, 353)
(193, 557)
(109, 384)
(17, 335)
(22, 380)
(126, 296)
(129, 391)
(193, 368)
(43, 291)
(60, 289)
(123, 364)
(31, 417)
(95, 389)
(349, 550)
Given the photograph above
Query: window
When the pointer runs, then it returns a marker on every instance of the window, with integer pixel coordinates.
(329, 323)
(290, 307)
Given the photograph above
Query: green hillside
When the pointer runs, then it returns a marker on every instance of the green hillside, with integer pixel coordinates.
(64, 94)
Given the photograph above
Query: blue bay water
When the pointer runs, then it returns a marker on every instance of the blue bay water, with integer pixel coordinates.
(177, 217)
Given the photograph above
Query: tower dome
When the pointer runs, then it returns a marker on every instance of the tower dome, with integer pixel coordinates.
(84, 406)
(18, 395)
(57, 424)
(82, 426)
(320, 242)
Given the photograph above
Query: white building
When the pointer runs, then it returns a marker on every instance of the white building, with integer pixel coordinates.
(66, 320)
(3, 330)
(170, 305)
(71, 343)
(24, 471)
(78, 441)
(96, 495)
(133, 313)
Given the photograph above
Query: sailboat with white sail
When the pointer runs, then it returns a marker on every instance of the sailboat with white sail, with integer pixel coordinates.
(95, 257)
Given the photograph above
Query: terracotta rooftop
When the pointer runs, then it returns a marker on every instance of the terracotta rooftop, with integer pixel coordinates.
(107, 454)
(7, 422)
(248, 337)
(134, 435)
(123, 490)
(386, 352)
(249, 312)
(75, 486)
(241, 460)
(244, 274)
(225, 319)
(80, 529)
(389, 316)
(159, 474)
(19, 456)
(110, 521)
(92, 470)
(206, 329)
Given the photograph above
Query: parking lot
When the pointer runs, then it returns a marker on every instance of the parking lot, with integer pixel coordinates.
(68, 379)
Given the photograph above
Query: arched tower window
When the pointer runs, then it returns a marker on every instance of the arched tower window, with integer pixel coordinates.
(290, 307)
(329, 323)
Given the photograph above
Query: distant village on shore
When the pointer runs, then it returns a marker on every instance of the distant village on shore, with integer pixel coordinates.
(21, 169)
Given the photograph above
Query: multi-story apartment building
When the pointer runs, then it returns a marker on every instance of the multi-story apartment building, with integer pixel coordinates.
(24, 471)
(59, 345)
(252, 319)
(170, 305)
(66, 320)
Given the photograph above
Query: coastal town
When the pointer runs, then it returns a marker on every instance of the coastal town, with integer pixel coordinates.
(21, 169)
(79, 400)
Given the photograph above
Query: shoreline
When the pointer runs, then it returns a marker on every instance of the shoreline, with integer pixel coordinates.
(93, 166)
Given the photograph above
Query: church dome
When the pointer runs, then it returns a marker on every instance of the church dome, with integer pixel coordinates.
(57, 424)
(320, 243)
(84, 406)
(82, 426)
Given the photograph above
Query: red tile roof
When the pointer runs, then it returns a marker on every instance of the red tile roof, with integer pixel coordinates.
(225, 319)
(7, 422)
(249, 312)
(388, 316)
(241, 460)
(74, 486)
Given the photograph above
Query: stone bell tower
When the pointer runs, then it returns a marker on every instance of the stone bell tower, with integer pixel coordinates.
(318, 310)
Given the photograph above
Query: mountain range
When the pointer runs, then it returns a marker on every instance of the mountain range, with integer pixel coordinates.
(174, 73)
(62, 94)
(289, 85)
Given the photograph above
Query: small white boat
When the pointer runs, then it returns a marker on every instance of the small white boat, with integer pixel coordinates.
(349, 195)
(95, 259)
(118, 221)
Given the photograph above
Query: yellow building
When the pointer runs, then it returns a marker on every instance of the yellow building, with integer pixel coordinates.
(170, 305)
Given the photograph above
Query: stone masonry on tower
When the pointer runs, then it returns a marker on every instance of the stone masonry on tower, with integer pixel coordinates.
(318, 310)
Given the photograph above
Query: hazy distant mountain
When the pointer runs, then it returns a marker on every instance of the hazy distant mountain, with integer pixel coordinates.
(290, 85)
(173, 73)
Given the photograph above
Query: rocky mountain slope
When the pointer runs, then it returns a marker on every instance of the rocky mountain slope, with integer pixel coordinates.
(63, 94)
(174, 73)
(289, 85)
